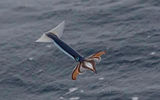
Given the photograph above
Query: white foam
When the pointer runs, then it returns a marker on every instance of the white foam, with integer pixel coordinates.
(39, 71)
(81, 91)
(61, 98)
(72, 90)
(152, 53)
(134, 98)
(101, 78)
(148, 36)
(30, 58)
(74, 98)
(48, 46)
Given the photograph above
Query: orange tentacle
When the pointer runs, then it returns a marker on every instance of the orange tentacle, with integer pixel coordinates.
(98, 54)
(75, 72)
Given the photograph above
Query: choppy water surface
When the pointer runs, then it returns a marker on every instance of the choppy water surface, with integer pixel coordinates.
(127, 29)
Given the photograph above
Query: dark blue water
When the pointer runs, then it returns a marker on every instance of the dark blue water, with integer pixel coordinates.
(128, 29)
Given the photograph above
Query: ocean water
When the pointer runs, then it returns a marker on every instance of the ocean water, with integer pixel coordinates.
(129, 30)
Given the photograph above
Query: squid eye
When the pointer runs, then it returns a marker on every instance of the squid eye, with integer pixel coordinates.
(77, 59)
